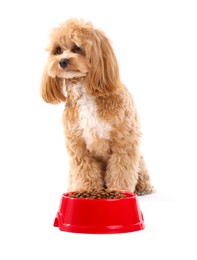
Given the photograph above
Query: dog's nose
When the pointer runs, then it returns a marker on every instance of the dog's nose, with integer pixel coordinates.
(63, 63)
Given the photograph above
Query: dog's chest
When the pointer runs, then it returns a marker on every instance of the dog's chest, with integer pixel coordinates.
(92, 126)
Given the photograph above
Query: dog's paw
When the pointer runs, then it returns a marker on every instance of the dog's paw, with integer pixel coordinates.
(146, 190)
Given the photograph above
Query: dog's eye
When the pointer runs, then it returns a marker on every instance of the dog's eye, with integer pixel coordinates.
(76, 49)
(58, 50)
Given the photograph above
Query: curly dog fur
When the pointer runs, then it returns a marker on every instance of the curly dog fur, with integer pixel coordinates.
(100, 119)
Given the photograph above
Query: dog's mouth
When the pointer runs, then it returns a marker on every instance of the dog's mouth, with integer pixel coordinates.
(69, 74)
(67, 69)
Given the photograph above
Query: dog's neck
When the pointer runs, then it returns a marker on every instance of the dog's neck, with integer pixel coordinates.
(73, 81)
(68, 84)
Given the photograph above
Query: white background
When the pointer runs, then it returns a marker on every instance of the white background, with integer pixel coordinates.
(156, 46)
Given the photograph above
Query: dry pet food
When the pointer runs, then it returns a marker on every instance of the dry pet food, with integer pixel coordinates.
(103, 194)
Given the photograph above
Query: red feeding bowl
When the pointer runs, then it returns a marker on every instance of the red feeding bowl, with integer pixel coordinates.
(99, 216)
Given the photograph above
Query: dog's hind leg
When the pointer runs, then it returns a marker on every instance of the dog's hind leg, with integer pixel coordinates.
(143, 185)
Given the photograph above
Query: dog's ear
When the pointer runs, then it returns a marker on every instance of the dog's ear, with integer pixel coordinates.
(103, 77)
(51, 90)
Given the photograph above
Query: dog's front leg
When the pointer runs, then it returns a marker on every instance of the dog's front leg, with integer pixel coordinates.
(122, 169)
(85, 173)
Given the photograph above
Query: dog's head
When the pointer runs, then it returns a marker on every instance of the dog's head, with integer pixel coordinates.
(77, 51)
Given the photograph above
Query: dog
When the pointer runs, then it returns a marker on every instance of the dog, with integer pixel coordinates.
(100, 120)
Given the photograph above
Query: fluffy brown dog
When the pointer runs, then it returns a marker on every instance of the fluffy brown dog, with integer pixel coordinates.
(100, 119)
